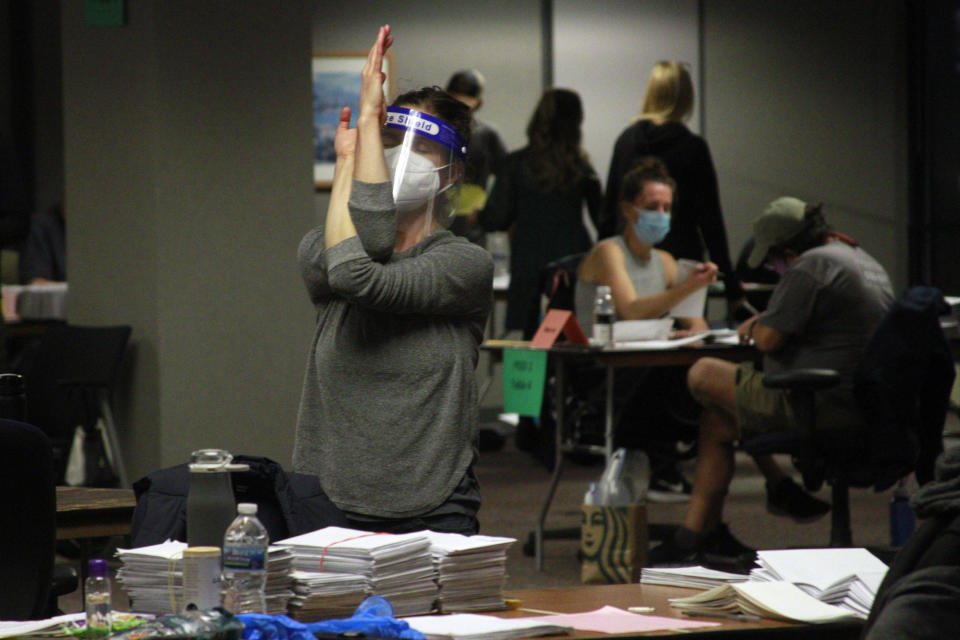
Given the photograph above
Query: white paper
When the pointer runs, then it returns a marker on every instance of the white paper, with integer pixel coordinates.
(694, 304)
(471, 625)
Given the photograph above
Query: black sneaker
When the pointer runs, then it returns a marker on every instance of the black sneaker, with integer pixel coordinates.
(668, 485)
(679, 550)
(790, 500)
(723, 551)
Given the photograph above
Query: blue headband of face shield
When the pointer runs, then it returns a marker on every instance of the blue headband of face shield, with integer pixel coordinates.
(427, 126)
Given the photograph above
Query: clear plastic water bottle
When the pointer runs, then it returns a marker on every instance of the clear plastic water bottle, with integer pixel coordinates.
(244, 566)
(97, 600)
(603, 316)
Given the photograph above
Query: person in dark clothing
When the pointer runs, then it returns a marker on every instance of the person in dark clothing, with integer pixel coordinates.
(539, 196)
(44, 255)
(920, 594)
(697, 220)
(485, 153)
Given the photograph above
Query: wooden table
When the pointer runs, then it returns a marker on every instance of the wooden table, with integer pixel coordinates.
(84, 513)
(590, 598)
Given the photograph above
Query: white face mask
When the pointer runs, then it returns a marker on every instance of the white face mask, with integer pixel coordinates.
(419, 184)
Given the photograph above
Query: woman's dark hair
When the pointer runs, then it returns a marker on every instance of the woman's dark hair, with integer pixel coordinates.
(814, 234)
(648, 169)
(442, 104)
(556, 158)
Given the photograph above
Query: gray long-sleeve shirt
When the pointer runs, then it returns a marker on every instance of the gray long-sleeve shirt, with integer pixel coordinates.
(388, 413)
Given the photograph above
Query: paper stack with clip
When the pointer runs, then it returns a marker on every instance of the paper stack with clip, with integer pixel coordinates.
(470, 570)
(152, 576)
(398, 567)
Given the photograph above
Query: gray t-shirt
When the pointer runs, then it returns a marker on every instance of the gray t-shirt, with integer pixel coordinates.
(388, 413)
(828, 304)
(647, 278)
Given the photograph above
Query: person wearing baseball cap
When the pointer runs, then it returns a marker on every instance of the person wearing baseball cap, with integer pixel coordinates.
(830, 299)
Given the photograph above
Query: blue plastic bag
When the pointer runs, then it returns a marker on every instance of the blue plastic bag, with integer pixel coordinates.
(373, 618)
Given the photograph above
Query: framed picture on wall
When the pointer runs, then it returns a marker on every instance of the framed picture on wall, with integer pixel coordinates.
(336, 84)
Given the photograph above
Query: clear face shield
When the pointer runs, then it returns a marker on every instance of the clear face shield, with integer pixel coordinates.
(425, 159)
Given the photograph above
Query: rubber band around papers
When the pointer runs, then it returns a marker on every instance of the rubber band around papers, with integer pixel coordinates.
(323, 554)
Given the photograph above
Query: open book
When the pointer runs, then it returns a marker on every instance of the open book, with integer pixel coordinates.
(845, 577)
(775, 600)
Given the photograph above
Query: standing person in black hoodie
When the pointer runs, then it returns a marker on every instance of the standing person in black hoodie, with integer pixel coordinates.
(697, 221)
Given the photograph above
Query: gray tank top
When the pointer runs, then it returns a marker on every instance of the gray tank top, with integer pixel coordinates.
(647, 278)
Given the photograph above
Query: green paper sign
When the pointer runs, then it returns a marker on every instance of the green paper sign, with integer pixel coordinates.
(524, 374)
(104, 13)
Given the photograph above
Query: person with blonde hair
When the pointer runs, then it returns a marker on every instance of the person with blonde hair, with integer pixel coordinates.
(697, 219)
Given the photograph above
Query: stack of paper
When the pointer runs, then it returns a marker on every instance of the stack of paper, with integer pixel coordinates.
(398, 567)
(321, 595)
(470, 570)
(153, 577)
(279, 589)
(692, 577)
(471, 626)
(776, 600)
(845, 577)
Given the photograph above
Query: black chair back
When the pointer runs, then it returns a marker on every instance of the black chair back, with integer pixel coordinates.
(903, 387)
(63, 371)
(28, 517)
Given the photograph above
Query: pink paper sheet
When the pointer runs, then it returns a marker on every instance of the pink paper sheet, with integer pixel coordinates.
(614, 620)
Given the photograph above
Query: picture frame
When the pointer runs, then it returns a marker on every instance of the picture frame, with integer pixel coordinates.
(336, 84)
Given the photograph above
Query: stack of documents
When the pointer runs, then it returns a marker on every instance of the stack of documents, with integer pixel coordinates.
(848, 578)
(470, 570)
(279, 589)
(153, 577)
(321, 595)
(692, 577)
(397, 567)
(775, 600)
(472, 626)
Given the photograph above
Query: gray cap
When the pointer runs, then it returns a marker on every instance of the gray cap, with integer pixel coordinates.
(781, 220)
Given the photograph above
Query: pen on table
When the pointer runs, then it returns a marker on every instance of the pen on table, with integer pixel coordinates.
(640, 609)
(720, 614)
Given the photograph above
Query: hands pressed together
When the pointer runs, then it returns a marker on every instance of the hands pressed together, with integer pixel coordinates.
(373, 107)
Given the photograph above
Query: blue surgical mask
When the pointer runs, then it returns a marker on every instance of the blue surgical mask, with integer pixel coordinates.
(651, 226)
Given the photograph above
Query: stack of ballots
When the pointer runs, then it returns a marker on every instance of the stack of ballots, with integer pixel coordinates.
(848, 578)
(152, 576)
(470, 570)
(398, 567)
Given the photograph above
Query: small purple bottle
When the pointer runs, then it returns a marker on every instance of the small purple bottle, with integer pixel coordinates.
(98, 600)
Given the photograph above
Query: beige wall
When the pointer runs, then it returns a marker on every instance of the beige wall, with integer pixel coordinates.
(188, 175)
(809, 99)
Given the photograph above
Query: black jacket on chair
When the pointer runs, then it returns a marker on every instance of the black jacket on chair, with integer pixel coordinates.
(902, 385)
(288, 503)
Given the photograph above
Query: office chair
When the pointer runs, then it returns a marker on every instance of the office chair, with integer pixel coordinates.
(901, 385)
(29, 507)
(70, 373)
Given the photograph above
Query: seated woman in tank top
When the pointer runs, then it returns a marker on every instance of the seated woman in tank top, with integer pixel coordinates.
(642, 279)
(655, 412)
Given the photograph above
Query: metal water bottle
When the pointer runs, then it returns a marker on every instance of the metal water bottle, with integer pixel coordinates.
(13, 399)
(210, 502)
(902, 522)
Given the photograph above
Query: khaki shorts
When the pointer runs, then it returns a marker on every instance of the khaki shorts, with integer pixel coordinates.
(760, 409)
